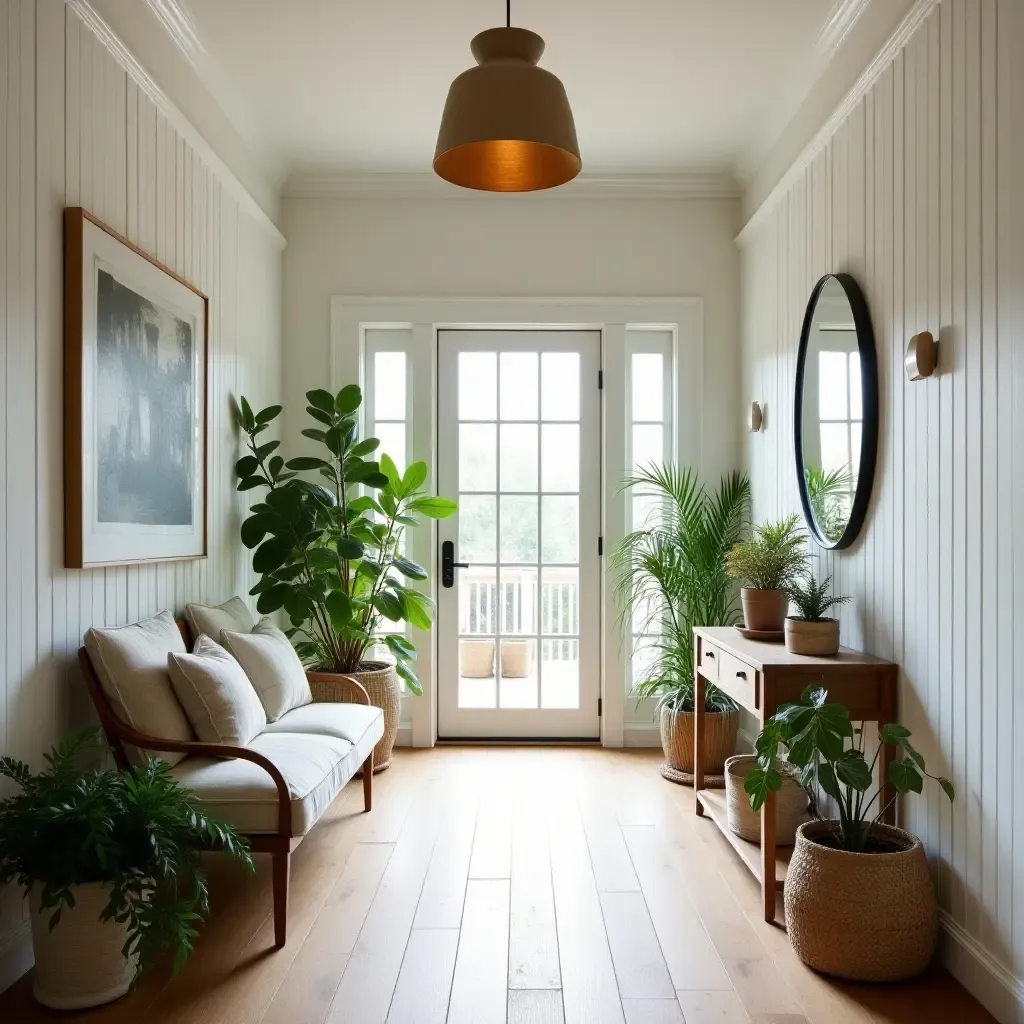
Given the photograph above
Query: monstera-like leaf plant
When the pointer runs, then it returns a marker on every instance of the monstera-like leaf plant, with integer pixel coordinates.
(330, 552)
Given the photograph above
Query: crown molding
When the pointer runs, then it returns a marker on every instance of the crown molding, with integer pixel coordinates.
(586, 186)
(868, 78)
(112, 43)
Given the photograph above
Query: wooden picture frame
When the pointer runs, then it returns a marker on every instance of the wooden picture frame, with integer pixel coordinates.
(136, 403)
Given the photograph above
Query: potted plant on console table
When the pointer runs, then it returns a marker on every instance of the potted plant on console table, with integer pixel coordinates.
(859, 897)
(332, 557)
(812, 632)
(671, 578)
(110, 861)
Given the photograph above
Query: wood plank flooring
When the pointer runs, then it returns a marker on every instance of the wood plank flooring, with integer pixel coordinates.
(505, 884)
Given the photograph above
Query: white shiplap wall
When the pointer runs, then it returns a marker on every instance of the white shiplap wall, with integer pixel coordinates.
(77, 129)
(920, 194)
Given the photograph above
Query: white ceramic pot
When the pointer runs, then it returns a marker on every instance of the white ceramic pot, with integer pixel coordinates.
(819, 639)
(80, 962)
(476, 659)
(515, 658)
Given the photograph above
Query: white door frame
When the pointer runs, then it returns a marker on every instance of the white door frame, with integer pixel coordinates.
(422, 317)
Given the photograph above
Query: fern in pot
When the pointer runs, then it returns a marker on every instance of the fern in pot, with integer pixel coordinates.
(812, 632)
(859, 897)
(331, 552)
(671, 577)
(766, 564)
(110, 862)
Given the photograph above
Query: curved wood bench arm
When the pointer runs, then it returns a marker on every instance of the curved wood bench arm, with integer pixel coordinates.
(118, 733)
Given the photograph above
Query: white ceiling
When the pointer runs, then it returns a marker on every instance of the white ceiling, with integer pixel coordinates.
(657, 86)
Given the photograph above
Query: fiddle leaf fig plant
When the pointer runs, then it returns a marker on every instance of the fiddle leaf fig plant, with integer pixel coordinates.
(330, 552)
(827, 751)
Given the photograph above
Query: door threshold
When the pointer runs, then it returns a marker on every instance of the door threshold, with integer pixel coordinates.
(518, 741)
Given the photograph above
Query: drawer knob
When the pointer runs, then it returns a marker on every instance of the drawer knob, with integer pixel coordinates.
(709, 654)
(741, 675)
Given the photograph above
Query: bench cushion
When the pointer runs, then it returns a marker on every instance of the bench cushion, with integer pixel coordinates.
(315, 766)
(131, 663)
(349, 722)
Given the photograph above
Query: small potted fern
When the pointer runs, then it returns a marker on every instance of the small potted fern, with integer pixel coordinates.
(812, 632)
(766, 564)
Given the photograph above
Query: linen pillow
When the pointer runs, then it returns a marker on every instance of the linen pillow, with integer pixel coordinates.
(216, 694)
(131, 663)
(273, 667)
(213, 619)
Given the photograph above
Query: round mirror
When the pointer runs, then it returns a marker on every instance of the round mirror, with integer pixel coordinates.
(836, 424)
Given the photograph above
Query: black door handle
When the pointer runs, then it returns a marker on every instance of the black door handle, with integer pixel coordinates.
(449, 565)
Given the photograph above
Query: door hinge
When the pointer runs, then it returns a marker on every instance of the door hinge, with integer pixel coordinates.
(600, 380)
(599, 706)
(600, 546)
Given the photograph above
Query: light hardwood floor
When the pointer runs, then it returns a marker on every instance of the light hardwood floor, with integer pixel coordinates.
(519, 885)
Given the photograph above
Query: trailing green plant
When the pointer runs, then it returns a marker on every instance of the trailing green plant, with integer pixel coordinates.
(813, 599)
(827, 750)
(671, 576)
(138, 831)
(828, 495)
(331, 555)
(772, 558)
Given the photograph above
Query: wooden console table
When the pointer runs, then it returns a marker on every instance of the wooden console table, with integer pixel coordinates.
(760, 677)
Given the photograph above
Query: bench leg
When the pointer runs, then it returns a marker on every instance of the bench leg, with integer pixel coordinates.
(281, 865)
(368, 783)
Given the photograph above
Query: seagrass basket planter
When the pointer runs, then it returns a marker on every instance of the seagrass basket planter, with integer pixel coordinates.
(380, 680)
(862, 916)
(790, 803)
(719, 741)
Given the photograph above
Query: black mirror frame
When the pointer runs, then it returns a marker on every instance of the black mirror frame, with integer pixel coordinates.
(869, 430)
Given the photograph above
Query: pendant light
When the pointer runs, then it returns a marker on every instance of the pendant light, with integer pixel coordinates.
(507, 125)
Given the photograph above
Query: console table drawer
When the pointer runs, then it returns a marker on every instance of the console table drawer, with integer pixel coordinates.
(738, 680)
(710, 656)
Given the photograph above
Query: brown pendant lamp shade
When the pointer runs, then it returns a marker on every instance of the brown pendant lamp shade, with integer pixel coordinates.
(507, 125)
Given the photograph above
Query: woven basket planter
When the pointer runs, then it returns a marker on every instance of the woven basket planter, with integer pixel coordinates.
(862, 916)
(720, 729)
(790, 803)
(380, 680)
(80, 962)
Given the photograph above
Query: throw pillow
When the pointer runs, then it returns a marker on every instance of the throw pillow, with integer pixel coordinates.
(213, 619)
(273, 667)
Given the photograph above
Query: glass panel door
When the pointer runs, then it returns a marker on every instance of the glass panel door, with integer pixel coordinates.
(518, 444)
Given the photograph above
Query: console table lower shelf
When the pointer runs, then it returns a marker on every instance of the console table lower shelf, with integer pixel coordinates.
(713, 801)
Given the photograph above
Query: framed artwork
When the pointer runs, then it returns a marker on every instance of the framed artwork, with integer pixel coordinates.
(135, 403)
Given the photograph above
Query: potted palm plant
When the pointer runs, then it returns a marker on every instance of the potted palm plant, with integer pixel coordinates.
(767, 563)
(331, 554)
(671, 578)
(828, 492)
(812, 632)
(859, 897)
(110, 861)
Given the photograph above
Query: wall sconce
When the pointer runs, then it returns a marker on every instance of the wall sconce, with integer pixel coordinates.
(922, 356)
(755, 418)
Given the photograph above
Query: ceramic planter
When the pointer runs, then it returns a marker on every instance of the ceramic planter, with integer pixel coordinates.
(476, 659)
(719, 739)
(764, 610)
(515, 658)
(862, 916)
(820, 639)
(79, 963)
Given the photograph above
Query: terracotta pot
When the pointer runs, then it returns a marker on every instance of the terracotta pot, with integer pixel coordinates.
(80, 962)
(719, 739)
(476, 659)
(862, 916)
(515, 658)
(819, 639)
(380, 680)
(764, 610)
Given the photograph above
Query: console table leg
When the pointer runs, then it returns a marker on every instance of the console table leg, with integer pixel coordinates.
(768, 857)
(698, 741)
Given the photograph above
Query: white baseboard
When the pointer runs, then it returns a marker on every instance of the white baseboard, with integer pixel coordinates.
(974, 967)
(641, 734)
(15, 955)
(404, 736)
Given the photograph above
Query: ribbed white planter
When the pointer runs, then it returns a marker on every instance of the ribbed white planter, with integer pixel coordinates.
(80, 962)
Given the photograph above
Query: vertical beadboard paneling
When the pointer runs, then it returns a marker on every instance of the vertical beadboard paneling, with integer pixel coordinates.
(918, 194)
(75, 129)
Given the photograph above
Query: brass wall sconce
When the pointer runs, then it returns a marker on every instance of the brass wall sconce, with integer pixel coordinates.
(755, 417)
(922, 356)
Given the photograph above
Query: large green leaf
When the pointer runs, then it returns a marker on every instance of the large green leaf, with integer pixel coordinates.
(410, 569)
(339, 607)
(400, 646)
(248, 420)
(414, 477)
(827, 780)
(853, 771)
(418, 607)
(308, 462)
(350, 548)
(390, 470)
(410, 677)
(759, 782)
(320, 415)
(905, 777)
(254, 529)
(266, 415)
(348, 399)
(434, 508)
(322, 558)
(272, 599)
(253, 481)
(947, 788)
(365, 447)
(271, 555)
(321, 399)
(389, 606)
(246, 466)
